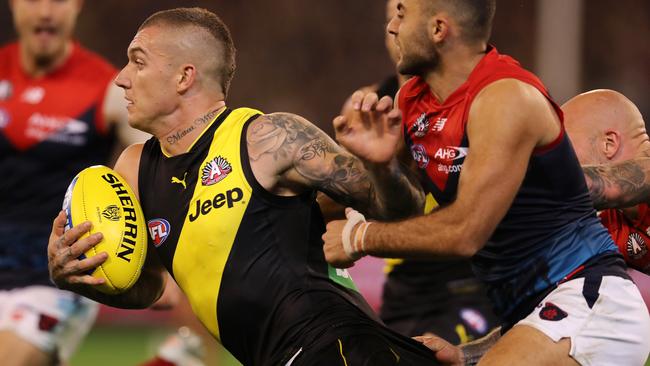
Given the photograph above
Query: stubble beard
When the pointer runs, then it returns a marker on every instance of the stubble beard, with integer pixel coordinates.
(419, 65)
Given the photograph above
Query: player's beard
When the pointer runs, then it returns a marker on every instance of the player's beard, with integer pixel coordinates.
(418, 64)
(43, 61)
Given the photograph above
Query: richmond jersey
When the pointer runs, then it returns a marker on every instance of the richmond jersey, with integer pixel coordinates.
(551, 227)
(632, 236)
(251, 263)
(51, 127)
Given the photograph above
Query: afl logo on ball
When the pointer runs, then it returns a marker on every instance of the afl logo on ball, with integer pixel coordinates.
(636, 246)
(159, 231)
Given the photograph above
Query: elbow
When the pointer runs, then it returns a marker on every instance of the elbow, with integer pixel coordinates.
(470, 241)
(466, 250)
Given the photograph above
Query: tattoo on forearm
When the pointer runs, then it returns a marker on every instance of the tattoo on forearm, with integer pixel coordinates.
(619, 185)
(178, 135)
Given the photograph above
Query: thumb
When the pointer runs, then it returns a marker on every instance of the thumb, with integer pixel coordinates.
(351, 213)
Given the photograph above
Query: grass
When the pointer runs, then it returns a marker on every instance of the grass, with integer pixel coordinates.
(131, 346)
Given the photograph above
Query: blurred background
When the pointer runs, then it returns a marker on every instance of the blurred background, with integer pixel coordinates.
(307, 56)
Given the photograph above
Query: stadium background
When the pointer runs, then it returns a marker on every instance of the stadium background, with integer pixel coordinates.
(307, 56)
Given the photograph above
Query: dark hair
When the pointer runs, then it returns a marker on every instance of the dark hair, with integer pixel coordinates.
(211, 23)
(474, 16)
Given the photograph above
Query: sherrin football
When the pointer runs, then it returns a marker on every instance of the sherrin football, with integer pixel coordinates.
(100, 195)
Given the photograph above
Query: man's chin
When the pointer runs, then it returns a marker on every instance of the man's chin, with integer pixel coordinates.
(45, 55)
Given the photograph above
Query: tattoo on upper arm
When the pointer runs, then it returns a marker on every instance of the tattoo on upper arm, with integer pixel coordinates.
(291, 140)
(619, 185)
(300, 148)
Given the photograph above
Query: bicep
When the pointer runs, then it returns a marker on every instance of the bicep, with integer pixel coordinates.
(321, 163)
(287, 151)
(504, 127)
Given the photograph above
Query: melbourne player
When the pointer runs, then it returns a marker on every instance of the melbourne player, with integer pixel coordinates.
(59, 113)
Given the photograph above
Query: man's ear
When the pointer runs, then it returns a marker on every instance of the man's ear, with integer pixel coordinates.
(186, 78)
(611, 144)
(438, 27)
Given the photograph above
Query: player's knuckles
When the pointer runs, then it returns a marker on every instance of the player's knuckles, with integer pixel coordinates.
(357, 96)
(369, 102)
(77, 231)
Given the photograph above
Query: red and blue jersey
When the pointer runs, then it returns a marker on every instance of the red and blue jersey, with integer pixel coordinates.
(51, 127)
(551, 227)
(632, 236)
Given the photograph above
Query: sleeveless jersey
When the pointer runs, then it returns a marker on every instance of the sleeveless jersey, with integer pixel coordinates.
(51, 127)
(551, 227)
(632, 236)
(251, 263)
(403, 295)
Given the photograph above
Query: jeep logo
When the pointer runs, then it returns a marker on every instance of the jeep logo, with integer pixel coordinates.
(229, 198)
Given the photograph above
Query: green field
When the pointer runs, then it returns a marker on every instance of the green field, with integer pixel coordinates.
(130, 346)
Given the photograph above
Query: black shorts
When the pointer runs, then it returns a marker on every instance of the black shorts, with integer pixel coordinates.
(439, 297)
(378, 347)
(463, 318)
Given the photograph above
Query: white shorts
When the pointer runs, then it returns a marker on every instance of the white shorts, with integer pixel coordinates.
(614, 331)
(51, 319)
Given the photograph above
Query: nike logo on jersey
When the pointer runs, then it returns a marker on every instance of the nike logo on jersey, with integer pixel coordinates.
(180, 181)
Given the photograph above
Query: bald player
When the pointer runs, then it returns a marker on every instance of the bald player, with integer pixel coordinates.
(605, 127)
(489, 140)
(608, 131)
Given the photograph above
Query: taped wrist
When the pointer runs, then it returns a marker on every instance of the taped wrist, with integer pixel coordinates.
(352, 248)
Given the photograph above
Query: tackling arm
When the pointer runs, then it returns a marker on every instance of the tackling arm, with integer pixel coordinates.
(507, 120)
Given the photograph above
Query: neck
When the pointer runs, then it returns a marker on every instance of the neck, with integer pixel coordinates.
(34, 67)
(453, 70)
(179, 138)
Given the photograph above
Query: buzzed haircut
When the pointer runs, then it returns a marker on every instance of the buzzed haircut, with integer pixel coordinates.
(474, 16)
(210, 22)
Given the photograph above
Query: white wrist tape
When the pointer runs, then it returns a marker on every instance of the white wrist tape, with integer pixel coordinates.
(360, 244)
(354, 218)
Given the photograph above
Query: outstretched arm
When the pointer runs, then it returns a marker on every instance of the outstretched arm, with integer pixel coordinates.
(289, 154)
(506, 122)
(619, 185)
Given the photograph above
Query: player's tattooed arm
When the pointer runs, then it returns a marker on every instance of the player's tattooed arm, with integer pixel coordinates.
(619, 185)
(303, 155)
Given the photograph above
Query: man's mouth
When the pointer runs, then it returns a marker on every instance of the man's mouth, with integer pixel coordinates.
(45, 31)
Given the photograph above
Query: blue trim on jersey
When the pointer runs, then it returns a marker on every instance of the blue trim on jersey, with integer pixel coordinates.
(556, 257)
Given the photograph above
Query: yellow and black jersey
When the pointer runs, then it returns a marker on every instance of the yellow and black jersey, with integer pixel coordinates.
(250, 262)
